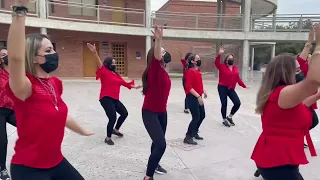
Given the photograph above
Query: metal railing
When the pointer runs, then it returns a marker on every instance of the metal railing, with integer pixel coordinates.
(33, 9)
(100, 14)
(191, 21)
(283, 23)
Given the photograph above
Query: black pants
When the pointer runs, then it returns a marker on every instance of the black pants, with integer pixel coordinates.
(156, 125)
(281, 173)
(6, 116)
(198, 115)
(112, 107)
(63, 171)
(185, 99)
(225, 92)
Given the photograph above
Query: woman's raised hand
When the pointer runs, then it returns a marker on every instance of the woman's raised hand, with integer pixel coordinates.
(157, 32)
(311, 33)
(221, 50)
(92, 48)
(314, 73)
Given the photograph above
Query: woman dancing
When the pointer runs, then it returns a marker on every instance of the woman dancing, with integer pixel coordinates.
(184, 66)
(6, 113)
(228, 78)
(111, 82)
(41, 114)
(285, 115)
(156, 88)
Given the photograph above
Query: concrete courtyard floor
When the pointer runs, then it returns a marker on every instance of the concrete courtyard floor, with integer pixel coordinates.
(224, 154)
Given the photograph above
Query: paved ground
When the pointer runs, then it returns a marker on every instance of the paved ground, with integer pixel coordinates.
(223, 155)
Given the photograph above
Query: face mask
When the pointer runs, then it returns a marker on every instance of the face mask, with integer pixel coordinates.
(230, 62)
(5, 60)
(113, 67)
(51, 64)
(166, 58)
(199, 63)
(299, 77)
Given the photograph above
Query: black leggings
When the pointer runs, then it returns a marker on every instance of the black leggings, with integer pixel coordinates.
(6, 116)
(156, 125)
(198, 114)
(112, 107)
(225, 92)
(63, 171)
(281, 173)
(185, 99)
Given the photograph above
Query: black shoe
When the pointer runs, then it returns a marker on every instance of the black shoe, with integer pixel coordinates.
(225, 123)
(189, 141)
(186, 111)
(4, 175)
(160, 170)
(109, 142)
(230, 121)
(306, 146)
(148, 179)
(198, 137)
(117, 133)
(257, 173)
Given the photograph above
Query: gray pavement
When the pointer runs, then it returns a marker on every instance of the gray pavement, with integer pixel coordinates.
(224, 154)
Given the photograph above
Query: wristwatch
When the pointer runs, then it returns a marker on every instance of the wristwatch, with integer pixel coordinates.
(19, 10)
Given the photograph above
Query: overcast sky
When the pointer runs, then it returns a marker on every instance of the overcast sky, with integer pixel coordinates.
(284, 6)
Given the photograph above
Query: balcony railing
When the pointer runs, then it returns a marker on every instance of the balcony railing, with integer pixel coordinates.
(99, 14)
(284, 23)
(33, 9)
(191, 21)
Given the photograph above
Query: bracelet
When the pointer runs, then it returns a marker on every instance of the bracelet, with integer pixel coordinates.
(198, 96)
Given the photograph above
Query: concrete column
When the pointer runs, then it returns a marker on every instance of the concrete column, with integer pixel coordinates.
(148, 44)
(245, 60)
(42, 12)
(219, 14)
(252, 58)
(274, 24)
(223, 13)
(43, 30)
(148, 13)
(246, 15)
(273, 51)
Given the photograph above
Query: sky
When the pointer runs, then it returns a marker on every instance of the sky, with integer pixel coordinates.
(284, 6)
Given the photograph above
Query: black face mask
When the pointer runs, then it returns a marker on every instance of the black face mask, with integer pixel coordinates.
(299, 77)
(230, 62)
(5, 60)
(51, 64)
(199, 63)
(166, 58)
(113, 68)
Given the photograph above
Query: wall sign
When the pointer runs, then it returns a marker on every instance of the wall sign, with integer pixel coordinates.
(105, 43)
(138, 55)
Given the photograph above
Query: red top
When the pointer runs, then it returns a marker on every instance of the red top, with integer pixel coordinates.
(158, 90)
(228, 77)
(282, 139)
(304, 66)
(194, 81)
(40, 125)
(111, 83)
(184, 64)
(5, 100)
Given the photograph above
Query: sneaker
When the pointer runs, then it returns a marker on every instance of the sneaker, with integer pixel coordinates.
(145, 178)
(109, 142)
(189, 141)
(4, 175)
(160, 170)
(117, 133)
(230, 121)
(186, 111)
(198, 137)
(306, 146)
(225, 123)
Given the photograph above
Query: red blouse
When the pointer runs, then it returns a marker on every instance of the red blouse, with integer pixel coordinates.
(40, 125)
(304, 66)
(5, 100)
(194, 81)
(228, 77)
(282, 139)
(159, 85)
(111, 83)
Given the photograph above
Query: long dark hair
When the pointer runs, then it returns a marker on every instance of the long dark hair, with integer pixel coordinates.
(145, 73)
(226, 58)
(187, 56)
(192, 57)
(1, 63)
(107, 64)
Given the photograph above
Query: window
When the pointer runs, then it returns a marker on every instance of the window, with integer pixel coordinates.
(2, 5)
(82, 7)
(32, 7)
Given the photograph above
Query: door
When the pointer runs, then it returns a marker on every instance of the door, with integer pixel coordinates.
(118, 16)
(119, 54)
(89, 62)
